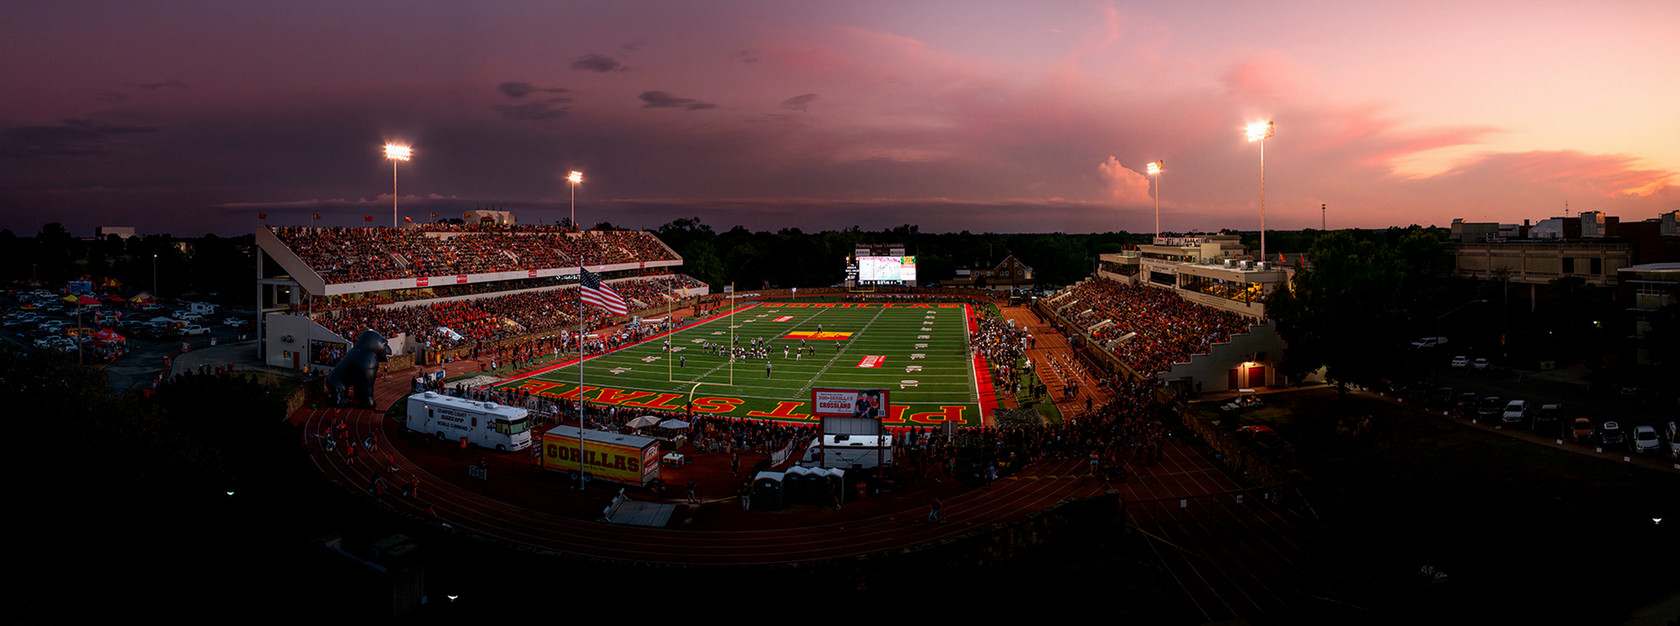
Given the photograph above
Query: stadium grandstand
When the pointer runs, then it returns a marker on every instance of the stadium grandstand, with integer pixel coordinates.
(431, 289)
(1187, 311)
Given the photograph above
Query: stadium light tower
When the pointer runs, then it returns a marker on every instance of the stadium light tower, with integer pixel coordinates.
(574, 178)
(1155, 170)
(395, 153)
(1261, 131)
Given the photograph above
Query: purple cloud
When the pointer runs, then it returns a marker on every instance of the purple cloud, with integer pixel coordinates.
(665, 100)
(599, 63)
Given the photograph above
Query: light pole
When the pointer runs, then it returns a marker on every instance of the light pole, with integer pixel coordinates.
(1260, 131)
(154, 277)
(1155, 170)
(1437, 336)
(395, 153)
(574, 178)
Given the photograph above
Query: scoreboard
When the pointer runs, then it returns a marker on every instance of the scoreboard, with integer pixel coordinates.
(881, 265)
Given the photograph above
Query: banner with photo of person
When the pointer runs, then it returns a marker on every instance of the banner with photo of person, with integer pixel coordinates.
(858, 403)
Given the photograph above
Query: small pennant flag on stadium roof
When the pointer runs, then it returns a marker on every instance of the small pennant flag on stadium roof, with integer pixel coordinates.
(367, 218)
(595, 293)
(314, 216)
(261, 215)
(434, 215)
(408, 219)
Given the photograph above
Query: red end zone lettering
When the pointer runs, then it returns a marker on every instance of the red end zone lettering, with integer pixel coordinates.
(944, 414)
(872, 361)
(784, 410)
(783, 318)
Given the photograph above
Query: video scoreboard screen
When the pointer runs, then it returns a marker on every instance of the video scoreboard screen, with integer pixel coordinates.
(882, 264)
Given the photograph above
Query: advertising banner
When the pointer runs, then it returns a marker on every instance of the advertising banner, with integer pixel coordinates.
(630, 460)
(861, 403)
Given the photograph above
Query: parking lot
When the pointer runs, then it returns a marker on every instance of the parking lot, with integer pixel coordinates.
(130, 348)
(1464, 393)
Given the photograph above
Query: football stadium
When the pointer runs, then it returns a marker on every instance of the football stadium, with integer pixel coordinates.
(1202, 313)
(621, 400)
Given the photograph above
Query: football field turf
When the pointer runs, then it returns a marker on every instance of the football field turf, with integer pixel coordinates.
(917, 352)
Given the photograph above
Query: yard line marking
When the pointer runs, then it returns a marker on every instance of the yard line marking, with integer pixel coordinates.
(808, 383)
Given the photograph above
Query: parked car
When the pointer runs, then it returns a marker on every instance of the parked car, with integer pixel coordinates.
(194, 329)
(236, 322)
(1461, 362)
(1515, 412)
(1490, 406)
(1442, 396)
(1467, 403)
(1645, 439)
(1581, 431)
(1547, 415)
(1611, 434)
(1480, 363)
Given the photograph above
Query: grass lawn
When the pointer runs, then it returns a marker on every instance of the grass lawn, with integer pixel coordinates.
(917, 352)
(1522, 530)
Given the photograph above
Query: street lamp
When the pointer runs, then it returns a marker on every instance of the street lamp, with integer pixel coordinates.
(1260, 131)
(1438, 318)
(574, 178)
(395, 153)
(1155, 170)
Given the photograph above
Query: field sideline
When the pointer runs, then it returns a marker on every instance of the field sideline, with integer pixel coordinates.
(917, 352)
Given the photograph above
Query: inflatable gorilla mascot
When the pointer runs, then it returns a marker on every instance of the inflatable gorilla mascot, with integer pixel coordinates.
(358, 368)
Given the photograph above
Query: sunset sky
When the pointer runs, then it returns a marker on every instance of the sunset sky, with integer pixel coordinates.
(190, 117)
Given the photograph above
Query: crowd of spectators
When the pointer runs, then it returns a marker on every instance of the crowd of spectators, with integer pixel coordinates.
(348, 255)
(465, 322)
(1002, 344)
(1126, 431)
(1169, 329)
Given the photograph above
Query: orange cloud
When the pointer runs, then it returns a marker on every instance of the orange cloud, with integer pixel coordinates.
(1125, 186)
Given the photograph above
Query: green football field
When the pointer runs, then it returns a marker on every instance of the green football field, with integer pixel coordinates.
(917, 352)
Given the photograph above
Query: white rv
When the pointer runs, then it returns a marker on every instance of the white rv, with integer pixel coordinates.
(484, 424)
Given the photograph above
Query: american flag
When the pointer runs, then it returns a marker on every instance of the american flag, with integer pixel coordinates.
(601, 295)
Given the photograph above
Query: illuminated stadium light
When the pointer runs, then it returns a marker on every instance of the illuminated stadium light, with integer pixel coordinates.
(1261, 131)
(395, 153)
(1155, 170)
(574, 178)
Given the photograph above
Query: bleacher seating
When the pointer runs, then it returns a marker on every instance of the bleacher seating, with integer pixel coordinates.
(349, 255)
(1168, 329)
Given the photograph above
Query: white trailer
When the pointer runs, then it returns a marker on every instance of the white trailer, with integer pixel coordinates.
(485, 424)
(845, 451)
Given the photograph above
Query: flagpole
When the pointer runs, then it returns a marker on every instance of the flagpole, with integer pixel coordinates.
(582, 466)
(670, 338)
(732, 334)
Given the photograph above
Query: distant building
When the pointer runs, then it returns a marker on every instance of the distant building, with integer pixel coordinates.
(499, 218)
(121, 231)
(1591, 246)
(1004, 275)
(1212, 270)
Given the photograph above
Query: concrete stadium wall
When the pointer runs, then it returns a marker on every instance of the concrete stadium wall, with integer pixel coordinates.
(1213, 369)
